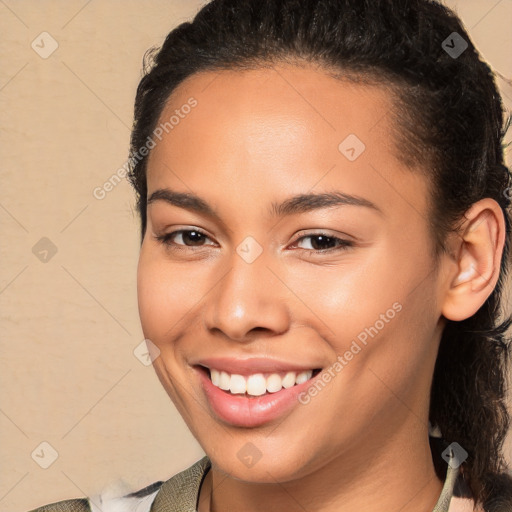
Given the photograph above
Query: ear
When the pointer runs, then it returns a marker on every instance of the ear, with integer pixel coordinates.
(478, 249)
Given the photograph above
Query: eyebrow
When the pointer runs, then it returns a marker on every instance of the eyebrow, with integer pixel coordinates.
(301, 203)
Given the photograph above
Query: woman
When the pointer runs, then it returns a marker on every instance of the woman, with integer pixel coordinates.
(325, 235)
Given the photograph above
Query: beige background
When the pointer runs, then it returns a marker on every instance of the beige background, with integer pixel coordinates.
(70, 325)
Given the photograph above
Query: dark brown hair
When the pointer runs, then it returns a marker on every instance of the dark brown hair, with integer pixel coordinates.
(450, 119)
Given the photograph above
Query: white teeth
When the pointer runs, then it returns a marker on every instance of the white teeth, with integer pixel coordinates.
(237, 384)
(274, 383)
(224, 381)
(257, 384)
(289, 380)
(303, 377)
(215, 376)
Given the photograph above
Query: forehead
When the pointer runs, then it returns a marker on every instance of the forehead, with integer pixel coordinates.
(265, 112)
(285, 125)
(307, 97)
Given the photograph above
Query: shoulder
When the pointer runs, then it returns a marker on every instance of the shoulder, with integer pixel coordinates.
(178, 494)
(136, 501)
(76, 505)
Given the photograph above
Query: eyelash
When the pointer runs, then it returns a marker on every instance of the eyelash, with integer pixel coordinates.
(343, 245)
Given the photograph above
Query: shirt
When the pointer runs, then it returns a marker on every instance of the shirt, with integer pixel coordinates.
(181, 494)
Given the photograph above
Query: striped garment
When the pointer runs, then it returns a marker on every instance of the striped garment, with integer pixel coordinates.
(180, 494)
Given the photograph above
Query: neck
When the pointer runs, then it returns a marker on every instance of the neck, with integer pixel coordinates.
(400, 477)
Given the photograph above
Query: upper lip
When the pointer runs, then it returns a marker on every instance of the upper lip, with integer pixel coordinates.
(248, 366)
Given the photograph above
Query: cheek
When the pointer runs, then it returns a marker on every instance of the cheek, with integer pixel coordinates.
(372, 313)
(351, 295)
(164, 296)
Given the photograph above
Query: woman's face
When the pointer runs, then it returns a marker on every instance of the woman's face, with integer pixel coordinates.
(272, 287)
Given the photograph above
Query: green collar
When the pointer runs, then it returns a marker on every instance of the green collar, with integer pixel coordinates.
(181, 492)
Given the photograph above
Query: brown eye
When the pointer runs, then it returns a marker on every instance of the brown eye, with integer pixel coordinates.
(184, 238)
(321, 243)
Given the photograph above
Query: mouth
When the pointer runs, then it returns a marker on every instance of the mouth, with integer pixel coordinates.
(256, 384)
(253, 392)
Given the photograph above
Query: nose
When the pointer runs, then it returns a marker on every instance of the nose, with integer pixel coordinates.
(248, 302)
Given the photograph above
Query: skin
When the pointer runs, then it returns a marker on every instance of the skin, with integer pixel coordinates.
(259, 136)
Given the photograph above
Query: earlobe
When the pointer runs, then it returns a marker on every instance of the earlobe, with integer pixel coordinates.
(480, 246)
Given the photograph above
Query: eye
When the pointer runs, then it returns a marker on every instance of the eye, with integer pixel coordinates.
(323, 242)
(189, 238)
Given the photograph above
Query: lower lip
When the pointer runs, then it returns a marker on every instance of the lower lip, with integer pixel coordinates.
(242, 411)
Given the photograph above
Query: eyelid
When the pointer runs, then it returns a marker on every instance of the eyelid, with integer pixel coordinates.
(323, 231)
(342, 243)
(165, 237)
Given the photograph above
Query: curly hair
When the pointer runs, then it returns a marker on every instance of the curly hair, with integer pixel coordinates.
(449, 125)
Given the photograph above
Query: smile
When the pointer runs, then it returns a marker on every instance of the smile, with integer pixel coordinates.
(253, 399)
(258, 384)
